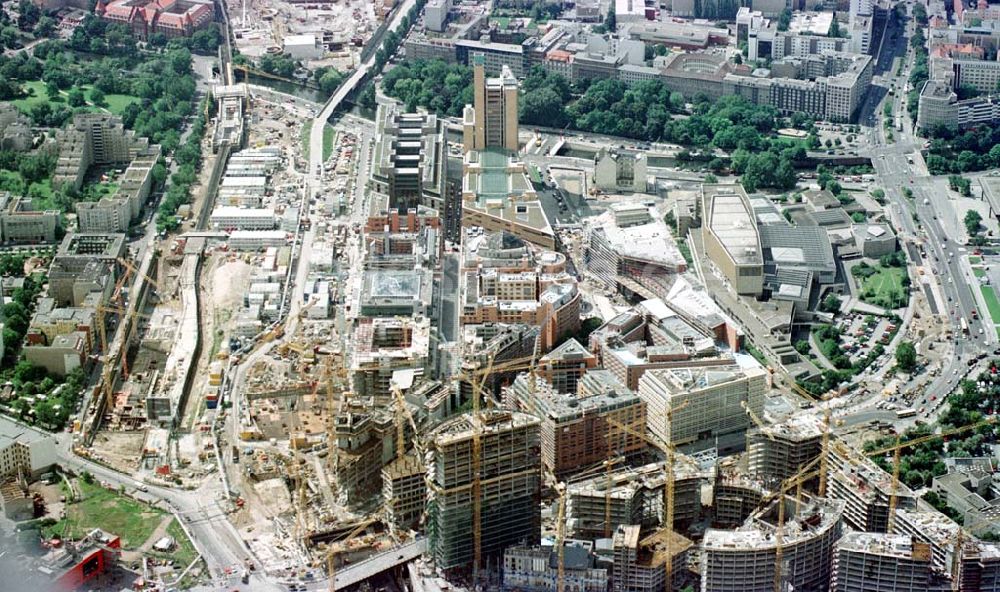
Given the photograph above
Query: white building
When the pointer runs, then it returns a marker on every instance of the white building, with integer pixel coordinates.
(256, 240)
(24, 449)
(231, 218)
(303, 47)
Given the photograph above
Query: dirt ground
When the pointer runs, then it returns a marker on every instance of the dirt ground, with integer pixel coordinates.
(122, 450)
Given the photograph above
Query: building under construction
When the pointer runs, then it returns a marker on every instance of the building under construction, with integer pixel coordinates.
(581, 429)
(640, 564)
(404, 491)
(744, 560)
(779, 451)
(866, 490)
(880, 562)
(506, 478)
(636, 497)
(735, 496)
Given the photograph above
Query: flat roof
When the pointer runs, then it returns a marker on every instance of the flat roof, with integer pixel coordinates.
(731, 220)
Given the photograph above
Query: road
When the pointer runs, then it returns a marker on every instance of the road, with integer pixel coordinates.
(925, 219)
(316, 135)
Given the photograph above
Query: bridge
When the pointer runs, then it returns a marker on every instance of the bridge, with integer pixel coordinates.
(348, 87)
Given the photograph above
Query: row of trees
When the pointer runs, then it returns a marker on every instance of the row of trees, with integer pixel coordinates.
(188, 159)
(954, 151)
(16, 316)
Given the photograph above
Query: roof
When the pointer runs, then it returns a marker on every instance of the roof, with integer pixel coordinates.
(730, 219)
(11, 431)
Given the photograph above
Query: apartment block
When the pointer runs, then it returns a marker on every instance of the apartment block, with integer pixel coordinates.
(20, 222)
(96, 139)
(509, 477)
(24, 450)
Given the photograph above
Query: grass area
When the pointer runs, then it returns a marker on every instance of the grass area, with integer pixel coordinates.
(108, 510)
(536, 175)
(974, 260)
(978, 272)
(116, 104)
(885, 287)
(685, 250)
(39, 191)
(35, 98)
(329, 136)
(992, 302)
(306, 132)
(184, 552)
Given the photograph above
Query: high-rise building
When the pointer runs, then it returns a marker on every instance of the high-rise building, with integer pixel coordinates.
(509, 476)
(491, 122)
(781, 450)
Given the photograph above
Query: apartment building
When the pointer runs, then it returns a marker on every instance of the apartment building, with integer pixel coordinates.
(24, 450)
(20, 222)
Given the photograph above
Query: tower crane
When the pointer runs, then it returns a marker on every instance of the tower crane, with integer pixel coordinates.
(668, 482)
(561, 538)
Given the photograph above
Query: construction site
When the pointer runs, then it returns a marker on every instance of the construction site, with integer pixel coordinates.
(318, 34)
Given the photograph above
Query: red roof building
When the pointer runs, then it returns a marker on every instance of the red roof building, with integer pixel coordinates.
(173, 18)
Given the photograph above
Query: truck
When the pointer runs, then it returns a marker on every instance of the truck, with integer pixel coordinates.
(965, 326)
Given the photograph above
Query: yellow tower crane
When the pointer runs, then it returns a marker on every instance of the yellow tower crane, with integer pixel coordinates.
(669, 451)
(561, 538)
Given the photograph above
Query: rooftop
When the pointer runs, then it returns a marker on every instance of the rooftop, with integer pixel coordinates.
(730, 218)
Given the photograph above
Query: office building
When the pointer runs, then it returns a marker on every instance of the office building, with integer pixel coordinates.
(707, 405)
(778, 451)
(630, 243)
(636, 496)
(410, 159)
(491, 121)
(386, 345)
(228, 218)
(565, 366)
(510, 476)
(143, 18)
(865, 489)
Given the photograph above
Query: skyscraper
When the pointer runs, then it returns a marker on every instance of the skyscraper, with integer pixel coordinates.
(491, 121)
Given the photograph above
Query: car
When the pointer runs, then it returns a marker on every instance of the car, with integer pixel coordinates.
(933, 397)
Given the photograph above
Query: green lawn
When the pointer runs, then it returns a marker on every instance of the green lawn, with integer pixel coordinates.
(116, 104)
(39, 95)
(184, 551)
(329, 135)
(992, 303)
(885, 288)
(116, 514)
(978, 272)
(974, 260)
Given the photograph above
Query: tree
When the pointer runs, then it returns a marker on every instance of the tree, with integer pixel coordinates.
(45, 27)
(543, 107)
(711, 179)
(97, 97)
(906, 356)
(973, 222)
(76, 98)
(784, 19)
(830, 304)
